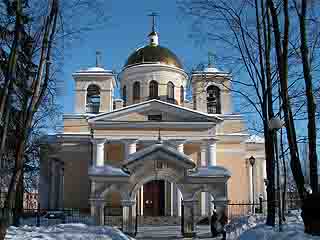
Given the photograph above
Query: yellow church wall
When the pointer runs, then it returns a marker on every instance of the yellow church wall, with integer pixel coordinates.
(192, 150)
(76, 181)
(233, 158)
(232, 126)
(114, 154)
(75, 125)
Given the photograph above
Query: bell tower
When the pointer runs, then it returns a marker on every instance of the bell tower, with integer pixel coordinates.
(94, 89)
(211, 90)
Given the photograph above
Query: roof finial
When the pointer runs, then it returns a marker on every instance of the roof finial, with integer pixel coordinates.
(98, 58)
(210, 59)
(159, 136)
(153, 36)
(153, 15)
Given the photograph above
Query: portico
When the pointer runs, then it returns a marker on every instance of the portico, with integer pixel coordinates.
(158, 162)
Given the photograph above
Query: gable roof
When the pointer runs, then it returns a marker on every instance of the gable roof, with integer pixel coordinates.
(154, 104)
(156, 148)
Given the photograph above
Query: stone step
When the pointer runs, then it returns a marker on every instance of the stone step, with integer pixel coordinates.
(159, 220)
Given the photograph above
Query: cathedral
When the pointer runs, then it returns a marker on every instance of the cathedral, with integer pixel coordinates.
(152, 152)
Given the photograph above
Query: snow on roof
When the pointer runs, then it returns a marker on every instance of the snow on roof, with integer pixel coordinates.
(107, 170)
(211, 171)
(159, 147)
(211, 70)
(255, 139)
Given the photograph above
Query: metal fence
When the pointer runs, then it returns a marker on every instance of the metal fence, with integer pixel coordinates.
(48, 217)
(240, 209)
(113, 216)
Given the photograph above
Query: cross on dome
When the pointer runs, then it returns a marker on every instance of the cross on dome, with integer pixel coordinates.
(153, 36)
(210, 59)
(98, 58)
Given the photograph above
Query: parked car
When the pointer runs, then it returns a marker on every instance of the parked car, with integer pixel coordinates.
(55, 215)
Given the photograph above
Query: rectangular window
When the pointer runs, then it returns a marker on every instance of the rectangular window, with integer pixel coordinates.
(157, 117)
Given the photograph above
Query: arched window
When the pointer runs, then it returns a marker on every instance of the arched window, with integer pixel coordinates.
(124, 95)
(153, 90)
(213, 100)
(136, 92)
(181, 95)
(170, 92)
(93, 99)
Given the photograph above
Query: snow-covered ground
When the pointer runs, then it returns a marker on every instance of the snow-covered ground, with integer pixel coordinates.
(66, 232)
(244, 228)
(292, 229)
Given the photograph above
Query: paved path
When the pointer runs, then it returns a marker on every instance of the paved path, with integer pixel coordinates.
(171, 232)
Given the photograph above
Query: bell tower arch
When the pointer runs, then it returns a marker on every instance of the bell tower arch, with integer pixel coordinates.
(94, 89)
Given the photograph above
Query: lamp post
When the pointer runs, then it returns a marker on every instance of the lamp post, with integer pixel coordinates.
(252, 161)
(91, 144)
(276, 124)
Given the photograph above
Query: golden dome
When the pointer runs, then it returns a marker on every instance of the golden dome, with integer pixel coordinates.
(153, 54)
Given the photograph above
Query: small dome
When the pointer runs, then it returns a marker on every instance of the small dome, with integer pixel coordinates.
(153, 54)
(95, 69)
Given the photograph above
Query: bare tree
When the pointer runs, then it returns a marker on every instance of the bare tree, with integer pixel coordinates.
(32, 41)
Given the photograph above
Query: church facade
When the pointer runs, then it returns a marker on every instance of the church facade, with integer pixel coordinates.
(152, 152)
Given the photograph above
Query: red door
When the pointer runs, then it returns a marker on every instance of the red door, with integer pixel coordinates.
(153, 197)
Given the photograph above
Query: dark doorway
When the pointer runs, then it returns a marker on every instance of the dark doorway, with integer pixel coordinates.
(153, 198)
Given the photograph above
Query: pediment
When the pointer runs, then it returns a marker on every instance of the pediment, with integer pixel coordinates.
(144, 111)
(160, 152)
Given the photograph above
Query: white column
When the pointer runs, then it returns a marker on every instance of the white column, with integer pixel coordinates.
(171, 199)
(179, 202)
(99, 143)
(264, 175)
(180, 148)
(203, 163)
(141, 201)
(203, 203)
(130, 147)
(203, 155)
(212, 159)
(250, 182)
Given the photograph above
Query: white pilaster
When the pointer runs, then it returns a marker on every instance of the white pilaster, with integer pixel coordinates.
(99, 144)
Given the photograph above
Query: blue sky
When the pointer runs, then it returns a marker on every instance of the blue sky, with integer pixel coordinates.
(126, 30)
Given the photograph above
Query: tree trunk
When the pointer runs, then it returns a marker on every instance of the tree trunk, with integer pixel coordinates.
(18, 209)
(311, 105)
(282, 60)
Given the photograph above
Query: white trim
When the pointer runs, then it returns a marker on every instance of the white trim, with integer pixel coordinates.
(158, 65)
(150, 124)
(133, 107)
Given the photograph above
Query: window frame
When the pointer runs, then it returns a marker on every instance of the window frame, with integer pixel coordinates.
(153, 90)
(213, 99)
(136, 91)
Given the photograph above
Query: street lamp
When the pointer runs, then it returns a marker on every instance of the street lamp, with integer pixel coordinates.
(252, 161)
(276, 124)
